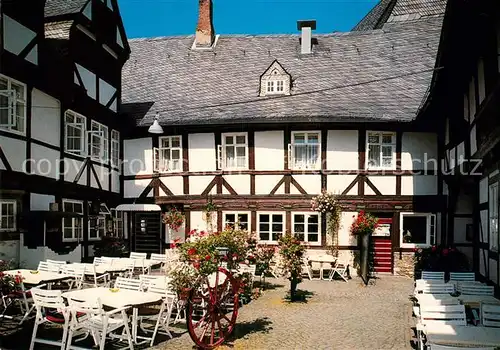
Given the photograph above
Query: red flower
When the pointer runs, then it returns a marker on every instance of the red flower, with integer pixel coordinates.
(434, 248)
(196, 265)
(445, 251)
(208, 257)
(177, 239)
(191, 251)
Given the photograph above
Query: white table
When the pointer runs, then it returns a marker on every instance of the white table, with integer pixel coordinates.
(103, 268)
(35, 277)
(322, 259)
(448, 299)
(115, 300)
(463, 335)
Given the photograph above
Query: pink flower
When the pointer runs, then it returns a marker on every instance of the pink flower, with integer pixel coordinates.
(445, 251)
(434, 248)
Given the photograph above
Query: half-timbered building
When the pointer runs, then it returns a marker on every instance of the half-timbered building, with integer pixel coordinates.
(466, 93)
(254, 126)
(60, 133)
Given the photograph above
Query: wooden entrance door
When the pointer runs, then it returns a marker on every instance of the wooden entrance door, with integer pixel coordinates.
(147, 236)
(382, 246)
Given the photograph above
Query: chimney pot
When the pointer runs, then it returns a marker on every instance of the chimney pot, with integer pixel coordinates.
(205, 33)
(306, 28)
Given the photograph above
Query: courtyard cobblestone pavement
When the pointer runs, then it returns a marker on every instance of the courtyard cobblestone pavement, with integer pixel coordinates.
(336, 315)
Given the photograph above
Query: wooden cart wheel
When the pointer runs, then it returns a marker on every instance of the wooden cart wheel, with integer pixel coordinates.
(212, 309)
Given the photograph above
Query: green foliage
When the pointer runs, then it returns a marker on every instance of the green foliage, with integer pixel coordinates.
(111, 247)
(292, 255)
(440, 258)
(183, 277)
(326, 203)
(364, 223)
(9, 283)
(264, 254)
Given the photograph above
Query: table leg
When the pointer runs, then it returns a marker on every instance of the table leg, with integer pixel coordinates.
(135, 313)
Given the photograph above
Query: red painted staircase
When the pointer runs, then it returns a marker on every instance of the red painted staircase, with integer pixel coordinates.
(382, 248)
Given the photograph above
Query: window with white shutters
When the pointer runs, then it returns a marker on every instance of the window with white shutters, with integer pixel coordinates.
(74, 138)
(305, 149)
(168, 157)
(12, 105)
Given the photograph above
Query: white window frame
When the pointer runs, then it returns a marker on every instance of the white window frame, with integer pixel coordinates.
(236, 214)
(306, 229)
(160, 163)
(99, 131)
(118, 217)
(115, 148)
(82, 126)
(493, 216)
(431, 230)
(222, 151)
(13, 203)
(12, 101)
(271, 222)
(291, 151)
(76, 236)
(101, 228)
(381, 144)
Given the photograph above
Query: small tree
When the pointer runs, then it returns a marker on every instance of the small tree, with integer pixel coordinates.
(292, 255)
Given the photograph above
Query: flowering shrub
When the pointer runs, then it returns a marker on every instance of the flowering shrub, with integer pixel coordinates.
(111, 247)
(440, 258)
(9, 283)
(364, 224)
(324, 203)
(292, 255)
(264, 254)
(174, 219)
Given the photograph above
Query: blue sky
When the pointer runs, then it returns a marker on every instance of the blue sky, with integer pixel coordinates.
(152, 18)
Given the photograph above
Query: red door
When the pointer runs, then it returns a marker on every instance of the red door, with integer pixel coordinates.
(382, 246)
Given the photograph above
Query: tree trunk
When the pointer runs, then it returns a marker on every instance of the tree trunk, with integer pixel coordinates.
(293, 289)
(364, 256)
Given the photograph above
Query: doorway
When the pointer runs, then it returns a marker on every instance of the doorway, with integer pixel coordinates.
(146, 233)
(382, 246)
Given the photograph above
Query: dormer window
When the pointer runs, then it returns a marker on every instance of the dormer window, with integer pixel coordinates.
(275, 81)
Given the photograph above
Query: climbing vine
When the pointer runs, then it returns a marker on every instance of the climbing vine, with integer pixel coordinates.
(326, 203)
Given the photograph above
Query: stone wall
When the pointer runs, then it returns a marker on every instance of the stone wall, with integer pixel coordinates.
(403, 264)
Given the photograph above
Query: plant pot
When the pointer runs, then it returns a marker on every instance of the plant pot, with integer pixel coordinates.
(184, 294)
(364, 247)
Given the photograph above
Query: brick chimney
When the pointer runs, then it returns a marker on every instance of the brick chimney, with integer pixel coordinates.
(205, 33)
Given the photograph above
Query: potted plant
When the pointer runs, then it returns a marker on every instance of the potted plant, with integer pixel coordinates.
(111, 247)
(208, 211)
(9, 283)
(326, 203)
(183, 279)
(363, 226)
(292, 255)
(440, 258)
(173, 218)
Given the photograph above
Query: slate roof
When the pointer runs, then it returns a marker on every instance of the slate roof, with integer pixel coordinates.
(387, 11)
(63, 7)
(375, 18)
(379, 75)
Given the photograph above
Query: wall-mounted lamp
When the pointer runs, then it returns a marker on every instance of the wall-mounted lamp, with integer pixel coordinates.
(156, 128)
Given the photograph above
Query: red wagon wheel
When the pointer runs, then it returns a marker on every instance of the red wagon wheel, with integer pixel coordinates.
(212, 309)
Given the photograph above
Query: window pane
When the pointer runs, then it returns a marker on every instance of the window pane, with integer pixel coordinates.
(68, 232)
(313, 238)
(241, 140)
(264, 227)
(165, 143)
(313, 219)
(312, 138)
(176, 142)
(230, 218)
(415, 229)
(299, 138)
(264, 236)
(387, 138)
(240, 151)
(374, 155)
(264, 218)
(3, 84)
(299, 218)
(229, 140)
(312, 228)
(373, 138)
(387, 151)
(277, 218)
(176, 154)
(243, 217)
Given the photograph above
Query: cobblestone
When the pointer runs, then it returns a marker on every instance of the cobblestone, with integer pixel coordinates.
(336, 315)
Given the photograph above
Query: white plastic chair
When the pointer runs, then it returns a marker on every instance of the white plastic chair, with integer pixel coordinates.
(435, 315)
(250, 270)
(98, 322)
(20, 297)
(433, 275)
(56, 262)
(135, 255)
(50, 308)
(103, 280)
(445, 347)
(476, 289)
(152, 280)
(463, 276)
(160, 259)
(490, 315)
(436, 288)
(307, 269)
(49, 267)
(127, 264)
(340, 268)
(128, 283)
(76, 274)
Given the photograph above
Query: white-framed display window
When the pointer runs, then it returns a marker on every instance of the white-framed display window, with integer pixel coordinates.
(381, 150)
(237, 220)
(270, 226)
(72, 227)
(306, 227)
(418, 230)
(12, 105)
(233, 153)
(305, 150)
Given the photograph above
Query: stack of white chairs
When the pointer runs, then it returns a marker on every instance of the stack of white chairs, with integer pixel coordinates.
(433, 316)
(91, 317)
(50, 309)
(462, 276)
(340, 268)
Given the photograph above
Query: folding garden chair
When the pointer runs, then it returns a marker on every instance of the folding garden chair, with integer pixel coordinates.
(103, 280)
(436, 315)
(56, 262)
(476, 289)
(76, 274)
(50, 309)
(307, 269)
(463, 276)
(490, 315)
(436, 288)
(128, 283)
(92, 318)
(160, 259)
(152, 280)
(340, 268)
(433, 275)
